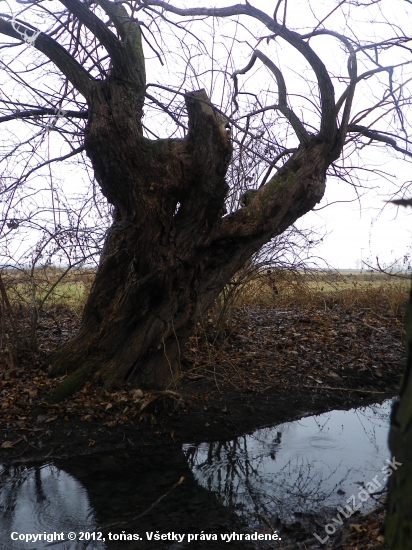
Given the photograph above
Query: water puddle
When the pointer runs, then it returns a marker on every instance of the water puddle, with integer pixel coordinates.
(312, 465)
(305, 468)
(43, 499)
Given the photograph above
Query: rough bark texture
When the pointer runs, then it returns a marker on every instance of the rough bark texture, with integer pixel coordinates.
(398, 527)
(146, 288)
(169, 252)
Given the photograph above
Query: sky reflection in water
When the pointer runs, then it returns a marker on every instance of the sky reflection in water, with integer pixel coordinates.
(311, 465)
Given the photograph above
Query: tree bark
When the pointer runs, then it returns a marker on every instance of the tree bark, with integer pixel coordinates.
(398, 526)
(168, 195)
(169, 252)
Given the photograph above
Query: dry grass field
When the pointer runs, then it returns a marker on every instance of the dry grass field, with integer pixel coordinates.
(48, 287)
(350, 289)
(52, 288)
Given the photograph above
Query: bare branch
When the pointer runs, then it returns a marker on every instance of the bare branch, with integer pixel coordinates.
(40, 112)
(76, 74)
(364, 76)
(297, 125)
(275, 13)
(350, 91)
(95, 25)
(329, 14)
(328, 121)
(166, 110)
(377, 136)
(132, 60)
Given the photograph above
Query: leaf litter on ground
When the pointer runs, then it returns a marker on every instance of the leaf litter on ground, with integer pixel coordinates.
(327, 351)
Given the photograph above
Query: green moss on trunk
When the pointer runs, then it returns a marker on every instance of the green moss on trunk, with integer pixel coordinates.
(70, 385)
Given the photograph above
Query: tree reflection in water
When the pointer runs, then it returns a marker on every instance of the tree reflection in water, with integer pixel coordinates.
(43, 499)
(312, 465)
(242, 479)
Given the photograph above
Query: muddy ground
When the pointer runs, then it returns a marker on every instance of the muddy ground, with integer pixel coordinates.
(266, 367)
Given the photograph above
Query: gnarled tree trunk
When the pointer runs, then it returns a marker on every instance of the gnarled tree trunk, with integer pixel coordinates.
(169, 252)
(168, 195)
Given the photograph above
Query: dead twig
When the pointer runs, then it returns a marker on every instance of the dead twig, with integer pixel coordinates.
(265, 519)
(343, 389)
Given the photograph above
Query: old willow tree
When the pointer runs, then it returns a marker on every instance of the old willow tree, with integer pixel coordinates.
(179, 111)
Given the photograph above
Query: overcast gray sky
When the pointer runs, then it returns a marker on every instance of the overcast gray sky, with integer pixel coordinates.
(360, 229)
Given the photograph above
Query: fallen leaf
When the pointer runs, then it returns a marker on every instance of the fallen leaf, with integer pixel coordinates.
(10, 444)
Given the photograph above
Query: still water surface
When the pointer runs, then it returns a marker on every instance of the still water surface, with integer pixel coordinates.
(308, 467)
(297, 466)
